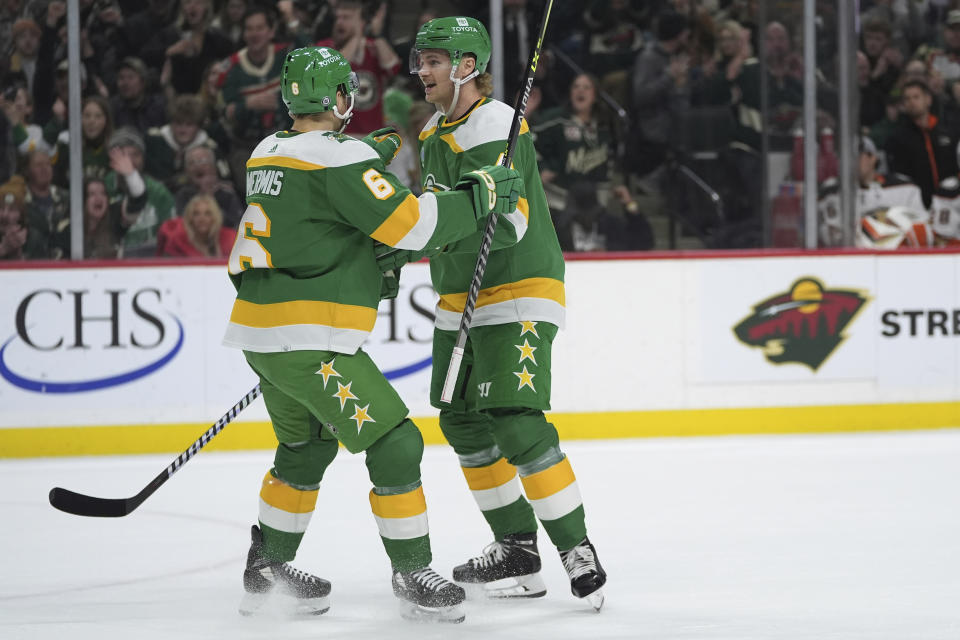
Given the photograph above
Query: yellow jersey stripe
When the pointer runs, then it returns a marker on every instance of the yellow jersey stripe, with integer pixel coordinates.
(544, 484)
(283, 161)
(309, 312)
(399, 223)
(280, 495)
(548, 288)
(524, 207)
(491, 476)
(452, 143)
(404, 505)
(427, 133)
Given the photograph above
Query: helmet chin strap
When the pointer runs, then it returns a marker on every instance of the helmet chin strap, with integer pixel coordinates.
(345, 117)
(456, 88)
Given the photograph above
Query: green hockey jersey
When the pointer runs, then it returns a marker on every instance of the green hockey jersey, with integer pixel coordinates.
(524, 274)
(303, 262)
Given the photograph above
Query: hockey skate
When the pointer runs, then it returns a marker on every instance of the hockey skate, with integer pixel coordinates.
(297, 592)
(508, 568)
(427, 596)
(586, 574)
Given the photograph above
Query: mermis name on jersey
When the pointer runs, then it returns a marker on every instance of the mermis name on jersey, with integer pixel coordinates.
(267, 182)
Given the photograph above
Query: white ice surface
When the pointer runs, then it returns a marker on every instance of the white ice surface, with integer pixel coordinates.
(825, 537)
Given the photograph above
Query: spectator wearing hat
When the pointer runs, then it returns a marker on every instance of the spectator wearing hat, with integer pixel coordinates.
(47, 205)
(133, 104)
(22, 61)
(97, 125)
(661, 89)
(128, 180)
(919, 146)
(167, 145)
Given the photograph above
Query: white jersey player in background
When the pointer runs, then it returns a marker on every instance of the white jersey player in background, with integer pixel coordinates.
(890, 211)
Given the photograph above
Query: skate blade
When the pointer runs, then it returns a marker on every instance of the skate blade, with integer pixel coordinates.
(528, 586)
(417, 613)
(282, 606)
(595, 599)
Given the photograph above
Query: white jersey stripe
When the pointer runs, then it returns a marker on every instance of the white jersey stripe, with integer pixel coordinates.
(536, 309)
(418, 236)
(294, 337)
(519, 222)
(315, 147)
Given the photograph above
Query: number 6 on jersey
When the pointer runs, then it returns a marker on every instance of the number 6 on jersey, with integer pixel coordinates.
(247, 252)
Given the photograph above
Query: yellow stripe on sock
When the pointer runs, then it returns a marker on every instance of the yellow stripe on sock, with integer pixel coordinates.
(544, 484)
(405, 505)
(491, 476)
(279, 494)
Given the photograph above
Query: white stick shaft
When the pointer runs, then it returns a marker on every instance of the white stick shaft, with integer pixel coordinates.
(446, 396)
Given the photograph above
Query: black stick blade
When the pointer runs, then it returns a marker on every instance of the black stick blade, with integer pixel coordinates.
(81, 505)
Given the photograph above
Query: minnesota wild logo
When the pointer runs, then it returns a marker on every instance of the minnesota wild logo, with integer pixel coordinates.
(430, 184)
(803, 325)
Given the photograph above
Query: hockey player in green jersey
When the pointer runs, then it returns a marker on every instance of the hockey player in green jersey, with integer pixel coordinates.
(308, 287)
(496, 423)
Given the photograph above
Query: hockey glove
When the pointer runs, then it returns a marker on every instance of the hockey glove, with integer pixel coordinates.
(390, 258)
(390, 284)
(386, 142)
(495, 189)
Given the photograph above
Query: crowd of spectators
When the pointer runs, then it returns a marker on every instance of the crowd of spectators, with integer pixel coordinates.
(632, 98)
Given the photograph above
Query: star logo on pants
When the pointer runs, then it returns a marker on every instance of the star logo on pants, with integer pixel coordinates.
(343, 394)
(360, 415)
(526, 326)
(526, 351)
(327, 371)
(526, 379)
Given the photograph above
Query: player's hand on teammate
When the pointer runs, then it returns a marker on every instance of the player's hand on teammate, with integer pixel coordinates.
(390, 258)
(390, 285)
(389, 261)
(495, 189)
(386, 142)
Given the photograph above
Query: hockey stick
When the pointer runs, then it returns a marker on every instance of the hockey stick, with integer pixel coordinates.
(81, 505)
(456, 358)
